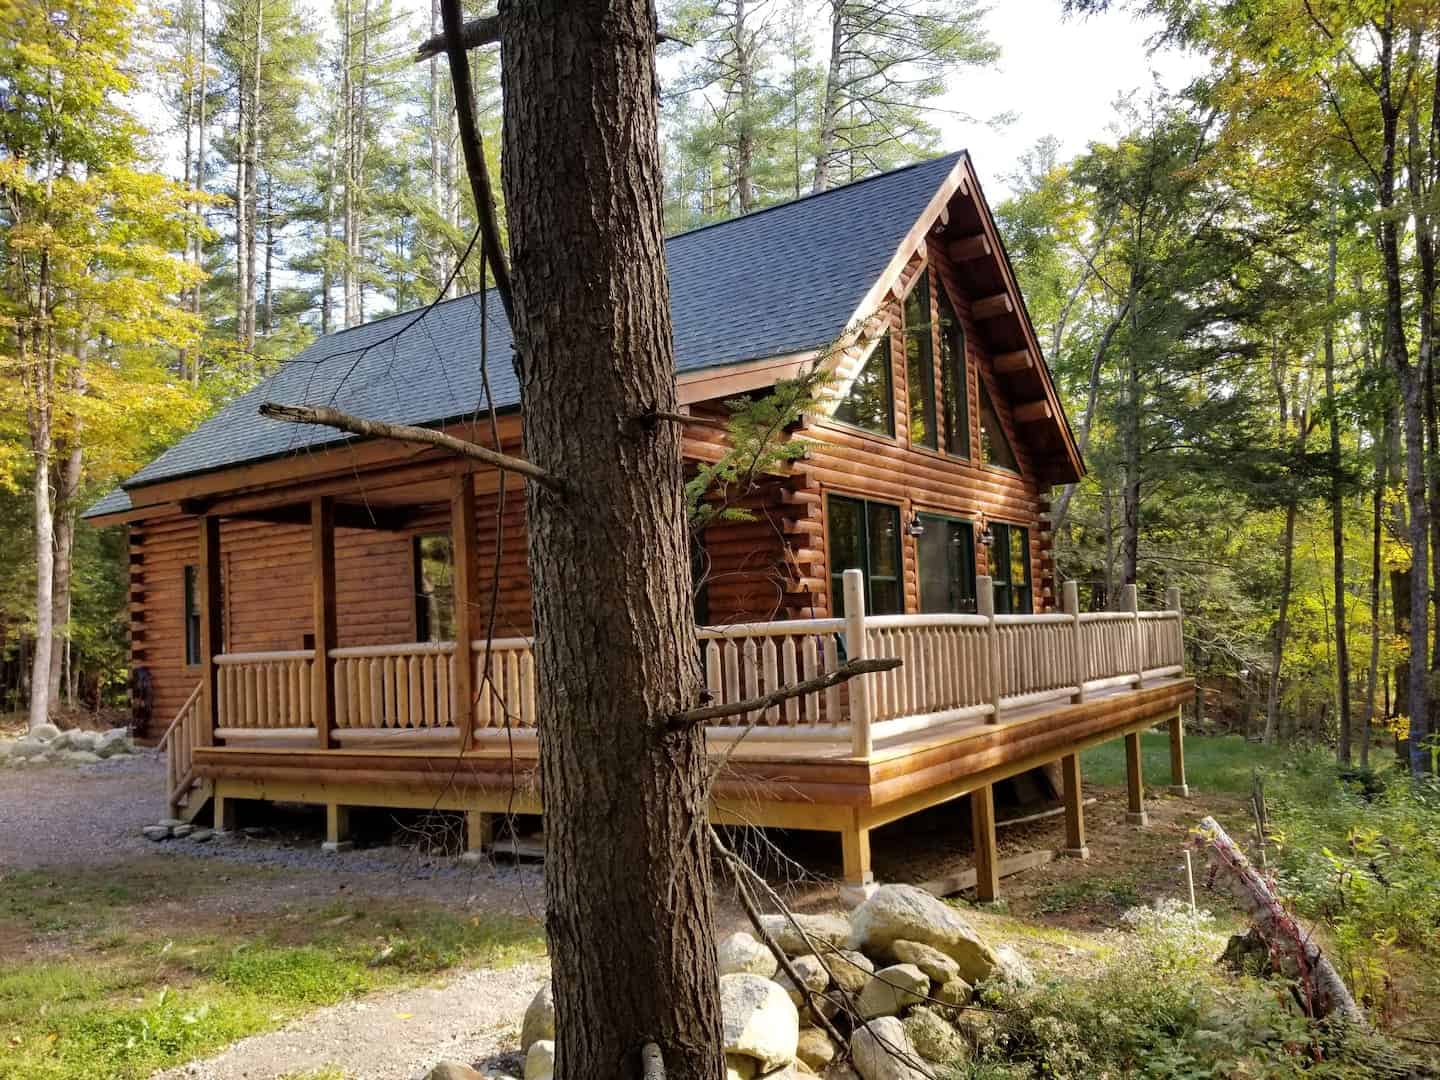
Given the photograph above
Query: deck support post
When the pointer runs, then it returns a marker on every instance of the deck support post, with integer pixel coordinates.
(985, 608)
(856, 649)
(1178, 785)
(479, 831)
(855, 846)
(462, 554)
(1070, 605)
(224, 808)
(987, 856)
(212, 628)
(325, 619)
(1074, 808)
(1135, 782)
(337, 828)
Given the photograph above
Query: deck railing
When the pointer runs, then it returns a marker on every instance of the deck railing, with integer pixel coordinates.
(954, 667)
(179, 742)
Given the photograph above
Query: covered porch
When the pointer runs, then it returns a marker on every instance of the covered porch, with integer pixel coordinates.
(452, 724)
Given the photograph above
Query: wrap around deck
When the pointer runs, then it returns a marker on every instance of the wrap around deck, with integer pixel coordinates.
(977, 698)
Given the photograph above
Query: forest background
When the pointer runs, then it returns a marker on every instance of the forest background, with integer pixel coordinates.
(1235, 285)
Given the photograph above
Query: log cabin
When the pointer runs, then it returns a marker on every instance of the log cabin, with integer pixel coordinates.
(347, 622)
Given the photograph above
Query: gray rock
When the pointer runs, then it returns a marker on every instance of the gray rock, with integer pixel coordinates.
(740, 952)
(934, 963)
(1012, 970)
(852, 970)
(180, 832)
(539, 1018)
(759, 1020)
(892, 989)
(955, 992)
(5, 745)
(453, 1070)
(905, 913)
(738, 1067)
(815, 1048)
(156, 832)
(44, 732)
(170, 822)
(27, 746)
(202, 836)
(540, 1060)
(882, 1050)
(81, 757)
(832, 930)
(812, 973)
(935, 1039)
(115, 741)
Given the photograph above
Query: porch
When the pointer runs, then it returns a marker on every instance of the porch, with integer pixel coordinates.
(453, 724)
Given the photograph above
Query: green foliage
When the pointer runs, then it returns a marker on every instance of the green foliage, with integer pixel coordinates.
(1212, 763)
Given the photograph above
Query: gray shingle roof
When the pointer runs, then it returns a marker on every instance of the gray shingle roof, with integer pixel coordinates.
(779, 281)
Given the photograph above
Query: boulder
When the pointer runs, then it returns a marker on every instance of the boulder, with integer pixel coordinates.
(115, 741)
(882, 1050)
(812, 973)
(759, 1020)
(892, 989)
(822, 930)
(202, 836)
(740, 952)
(906, 913)
(81, 757)
(44, 732)
(1012, 969)
(540, 1060)
(956, 992)
(156, 832)
(852, 970)
(180, 832)
(76, 739)
(738, 1067)
(27, 746)
(539, 1020)
(935, 964)
(815, 1048)
(453, 1070)
(935, 1039)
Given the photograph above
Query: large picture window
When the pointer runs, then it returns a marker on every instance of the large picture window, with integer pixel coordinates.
(1010, 569)
(870, 403)
(920, 364)
(947, 565)
(954, 386)
(434, 588)
(192, 615)
(866, 536)
(994, 446)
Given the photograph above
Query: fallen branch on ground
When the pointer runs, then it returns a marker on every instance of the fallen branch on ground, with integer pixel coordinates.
(327, 416)
(844, 673)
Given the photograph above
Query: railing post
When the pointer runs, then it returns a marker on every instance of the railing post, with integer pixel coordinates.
(212, 628)
(326, 622)
(1130, 601)
(1070, 604)
(985, 608)
(466, 588)
(856, 649)
(1172, 603)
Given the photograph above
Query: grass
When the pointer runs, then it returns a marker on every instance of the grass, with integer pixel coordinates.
(100, 991)
(1224, 763)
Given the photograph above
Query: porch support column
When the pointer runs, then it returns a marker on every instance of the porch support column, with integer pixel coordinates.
(1178, 786)
(987, 857)
(467, 599)
(855, 848)
(322, 576)
(1135, 781)
(212, 627)
(1074, 808)
(337, 828)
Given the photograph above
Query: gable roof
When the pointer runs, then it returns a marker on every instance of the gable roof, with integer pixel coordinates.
(781, 281)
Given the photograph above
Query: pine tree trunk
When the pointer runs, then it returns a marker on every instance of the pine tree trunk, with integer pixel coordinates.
(745, 129)
(831, 102)
(196, 299)
(349, 207)
(41, 448)
(628, 880)
(1130, 493)
(1337, 509)
(63, 517)
(1282, 624)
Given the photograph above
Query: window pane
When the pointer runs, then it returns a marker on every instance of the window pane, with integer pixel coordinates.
(994, 447)
(847, 546)
(192, 615)
(954, 387)
(1019, 555)
(870, 404)
(947, 566)
(884, 539)
(920, 364)
(435, 588)
(885, 597)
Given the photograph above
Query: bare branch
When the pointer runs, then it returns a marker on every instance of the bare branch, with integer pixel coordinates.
(486, 31)
(648, 419)
(844, 673)
(326, 416)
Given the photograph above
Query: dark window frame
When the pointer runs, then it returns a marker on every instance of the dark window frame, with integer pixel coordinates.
(968, 563)
(425, 608)
(837, 574)
(192, 616)
(920, 363)
(954, 378)
(883, 351)
(1010, 599)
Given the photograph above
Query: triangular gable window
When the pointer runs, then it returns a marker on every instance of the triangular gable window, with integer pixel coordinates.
(994, 446)
(870, 403)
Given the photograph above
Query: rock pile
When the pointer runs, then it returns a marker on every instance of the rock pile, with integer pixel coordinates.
(46, 744)
(892, 979)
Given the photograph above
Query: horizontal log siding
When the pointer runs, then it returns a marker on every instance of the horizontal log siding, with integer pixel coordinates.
(921, 480)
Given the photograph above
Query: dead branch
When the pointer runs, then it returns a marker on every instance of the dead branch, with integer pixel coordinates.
(1299, 957)
(452, 42)
(648, 419)
(326, 416)
(844, 673)
(486, 31)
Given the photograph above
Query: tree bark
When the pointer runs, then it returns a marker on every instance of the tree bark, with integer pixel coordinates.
(831, 101)
(628, 875)
(63, 515)
(1337, 508)
(41, 447)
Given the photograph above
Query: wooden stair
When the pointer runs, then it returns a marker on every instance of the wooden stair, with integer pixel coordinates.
(186, 793)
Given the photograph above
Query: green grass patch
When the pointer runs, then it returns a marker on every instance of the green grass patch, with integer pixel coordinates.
(1223, 763)
(1084, 893)
(107, 997)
